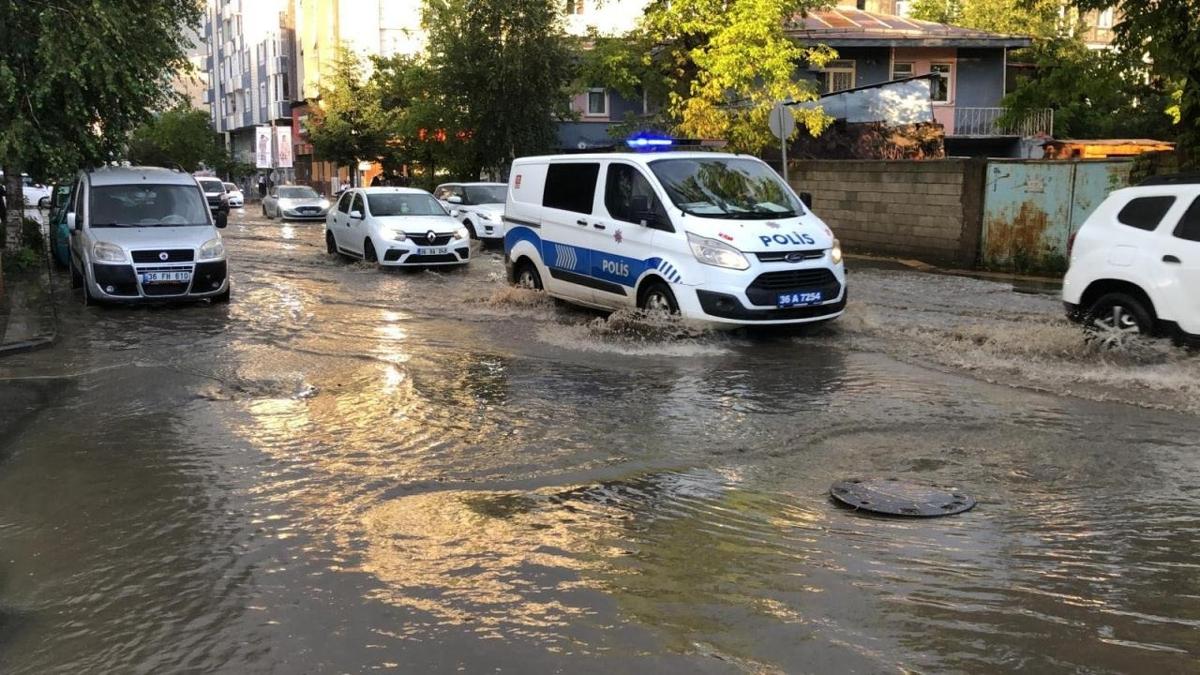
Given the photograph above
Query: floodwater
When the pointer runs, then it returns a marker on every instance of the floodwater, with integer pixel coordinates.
(352, 470)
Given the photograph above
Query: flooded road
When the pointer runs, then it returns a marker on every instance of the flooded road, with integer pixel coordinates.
(351, 470)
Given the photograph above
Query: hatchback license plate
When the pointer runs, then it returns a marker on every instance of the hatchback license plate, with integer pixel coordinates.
(432, 251)
(799, 298)
(166, 277)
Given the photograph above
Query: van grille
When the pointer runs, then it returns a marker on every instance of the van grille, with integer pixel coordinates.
(767, 287)
(173, 255)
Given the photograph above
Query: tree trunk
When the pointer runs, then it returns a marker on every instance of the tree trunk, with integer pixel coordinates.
(15, 207)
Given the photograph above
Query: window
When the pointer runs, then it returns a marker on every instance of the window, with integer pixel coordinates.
(903, 7)
(358, 203)
(404, 204)
(1105, 19)
(262, 93)
(838, 75)
(597, 102)
(571, 186)
(344, 203)
(575, 6)
(941, 86)
(624, 184)
(901, 70)
(1145, 213)
(1189, 225)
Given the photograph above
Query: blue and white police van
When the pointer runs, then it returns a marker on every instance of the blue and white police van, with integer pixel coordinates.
(718, 238)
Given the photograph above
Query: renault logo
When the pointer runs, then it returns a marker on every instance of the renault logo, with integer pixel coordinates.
(163, 255)
(431, 236)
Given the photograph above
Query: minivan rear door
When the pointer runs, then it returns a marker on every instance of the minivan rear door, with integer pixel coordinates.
(568, 202)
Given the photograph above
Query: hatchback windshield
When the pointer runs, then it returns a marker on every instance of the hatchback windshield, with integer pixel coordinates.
(726, 188)
(147, 206)
(297, 192)
(401, 204)
(485, 194)
(212, 186)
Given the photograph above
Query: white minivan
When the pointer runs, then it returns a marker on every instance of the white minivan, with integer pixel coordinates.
(145, 233)
(715, 237)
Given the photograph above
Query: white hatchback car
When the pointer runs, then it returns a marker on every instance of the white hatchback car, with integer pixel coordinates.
(396, 227)
(478, 206)
(1135, 262)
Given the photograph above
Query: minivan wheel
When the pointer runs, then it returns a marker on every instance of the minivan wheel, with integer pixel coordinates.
(527, 276)
(1116, 317)
(330, 244)
(369, 252)
(657, 297)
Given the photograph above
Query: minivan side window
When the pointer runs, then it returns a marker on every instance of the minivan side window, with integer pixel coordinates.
(623, 184)
(344, 203)
(1189, 225)
(571, 186)
(1145, 213)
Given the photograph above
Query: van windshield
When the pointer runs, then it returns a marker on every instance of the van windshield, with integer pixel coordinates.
(401, 204)
(724, 187)
(147, 206)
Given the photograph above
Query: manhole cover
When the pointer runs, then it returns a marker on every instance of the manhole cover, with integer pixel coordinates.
(895, 497)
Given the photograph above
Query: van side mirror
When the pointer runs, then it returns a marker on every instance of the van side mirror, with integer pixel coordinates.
(73, 224)
(221, 219)
(806, 199)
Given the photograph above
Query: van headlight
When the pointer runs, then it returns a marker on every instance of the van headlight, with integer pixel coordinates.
(394, 235)
(103, 251)
(835, 253)
(212, 249)
(717, 253)
(461, 233)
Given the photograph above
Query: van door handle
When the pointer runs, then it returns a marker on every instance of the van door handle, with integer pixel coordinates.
(598, 226)
(1172, 259)
(581, 222)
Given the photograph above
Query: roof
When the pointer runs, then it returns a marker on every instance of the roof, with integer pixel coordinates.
(383, 190)
(151, 175)
(634, 156)
(845, 27)
(474, 183)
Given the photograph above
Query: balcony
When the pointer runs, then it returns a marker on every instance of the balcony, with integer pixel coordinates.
(986, 122)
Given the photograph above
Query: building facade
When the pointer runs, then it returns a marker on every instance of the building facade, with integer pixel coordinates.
(251, 70)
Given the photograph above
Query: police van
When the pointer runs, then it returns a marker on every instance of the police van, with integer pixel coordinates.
(715, 237)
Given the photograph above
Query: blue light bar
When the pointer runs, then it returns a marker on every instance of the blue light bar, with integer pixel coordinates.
(640, 141)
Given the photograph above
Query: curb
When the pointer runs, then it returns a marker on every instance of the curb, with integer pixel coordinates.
(30, 345)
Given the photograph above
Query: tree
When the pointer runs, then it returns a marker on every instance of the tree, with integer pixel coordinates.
(182, 137)
(502, 70)
(1168, 32)
(348, 124)
(77, 76)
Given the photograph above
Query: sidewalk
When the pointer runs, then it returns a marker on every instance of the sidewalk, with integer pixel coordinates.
(27, 312)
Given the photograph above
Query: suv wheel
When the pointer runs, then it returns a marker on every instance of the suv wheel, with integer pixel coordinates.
(470, 229)
(1115, 318)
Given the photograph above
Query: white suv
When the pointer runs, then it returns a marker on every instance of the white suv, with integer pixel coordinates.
(1135, 263)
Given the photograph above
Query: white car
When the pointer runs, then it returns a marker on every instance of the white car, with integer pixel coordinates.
(295, 202)
(1135, 262)
(718, 238)
(214, 193)
(35, 194)
(396, 227)
(145, 233)
(236, 199)
(478, 206)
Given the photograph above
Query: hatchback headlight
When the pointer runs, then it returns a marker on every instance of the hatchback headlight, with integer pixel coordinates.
(461, 233)
(717, 253)
(835, 253)
(212, 249)
(103, 251)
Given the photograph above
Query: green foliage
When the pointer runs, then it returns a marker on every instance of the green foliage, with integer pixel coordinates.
(725, 63)
(181, 137)
(77, 76)
(501, 69)
(1168, 32)
(21, 259)
(31, 234)
(349, 124)
(938, 11)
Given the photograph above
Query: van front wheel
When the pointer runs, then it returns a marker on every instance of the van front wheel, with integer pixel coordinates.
(657, 297)
(526, 276)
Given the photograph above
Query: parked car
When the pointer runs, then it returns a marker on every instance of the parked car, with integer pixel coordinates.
(236, 199)
(35, 194)
(718, 238)
(478, 206)
(1135, 263)
(214, 193)
(60, 232)
(395, 226)
(295, 202)
(144, 233)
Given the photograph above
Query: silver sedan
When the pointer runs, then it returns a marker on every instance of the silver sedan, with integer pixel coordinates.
(295, 202)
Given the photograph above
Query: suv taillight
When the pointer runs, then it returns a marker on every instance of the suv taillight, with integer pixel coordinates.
(1071, 243)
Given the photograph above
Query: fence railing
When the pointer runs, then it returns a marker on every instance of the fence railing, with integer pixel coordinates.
(987, 122)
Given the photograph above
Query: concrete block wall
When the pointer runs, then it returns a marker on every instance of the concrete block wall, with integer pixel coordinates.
(930, 210)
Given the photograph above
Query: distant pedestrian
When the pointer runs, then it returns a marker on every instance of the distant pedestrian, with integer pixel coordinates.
(262, 187)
